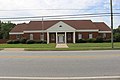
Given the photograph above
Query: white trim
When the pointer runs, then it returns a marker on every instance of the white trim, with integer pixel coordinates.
(48, 38)
(11, 33)
(64, 27)
(59, 31)
(80, 36)
(56, 37)
(65, 37)
(93, 30)
(62, 78)
(35, 31)
(90, 36)
(74, 37)
(104, 31)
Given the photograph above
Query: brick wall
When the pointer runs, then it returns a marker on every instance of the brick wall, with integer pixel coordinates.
(3, 41)
(85, 35)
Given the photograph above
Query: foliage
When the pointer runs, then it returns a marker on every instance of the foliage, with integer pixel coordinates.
(81, 41)
(117, 37)
(117, 34)
(91, 40)
(41, 42)
(16, 41)
(5, 28)
(9, 42)
(30, 42)
(99, 39)
(23, 40)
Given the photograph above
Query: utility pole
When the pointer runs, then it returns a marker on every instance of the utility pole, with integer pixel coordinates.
(111, 9)
(42, 28)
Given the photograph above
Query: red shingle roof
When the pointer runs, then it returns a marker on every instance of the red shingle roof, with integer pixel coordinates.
(81, 24)
(77, 24)
(19, 27)
(102, 26)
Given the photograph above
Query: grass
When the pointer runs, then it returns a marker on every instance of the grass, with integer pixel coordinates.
(27, 45)
(94, 45)
(72, 47)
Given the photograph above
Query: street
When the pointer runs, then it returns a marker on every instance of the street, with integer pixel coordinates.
(59, 63)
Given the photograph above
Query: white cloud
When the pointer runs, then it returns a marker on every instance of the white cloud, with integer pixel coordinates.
(53, 4)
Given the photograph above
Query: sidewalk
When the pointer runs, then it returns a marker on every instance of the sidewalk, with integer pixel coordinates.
(13, 49)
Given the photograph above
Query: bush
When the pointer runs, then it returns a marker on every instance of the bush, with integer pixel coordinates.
(44, 42)
(99, 40)
(107, 40)
(81, 41)
(30, 42)
(16, 41)
(23, 41)
(91, 40)
(9, 42)
(117, 37)
(39, 41)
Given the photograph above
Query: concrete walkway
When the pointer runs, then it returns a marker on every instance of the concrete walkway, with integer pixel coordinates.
(13, 49)
(62, 46)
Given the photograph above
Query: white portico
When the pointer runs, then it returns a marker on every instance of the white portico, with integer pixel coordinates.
(60, 30)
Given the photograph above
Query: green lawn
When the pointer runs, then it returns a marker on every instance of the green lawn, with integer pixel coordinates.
(80, 46)
(96, 45)
(27, 45)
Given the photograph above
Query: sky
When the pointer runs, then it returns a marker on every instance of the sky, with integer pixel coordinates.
(29, 8)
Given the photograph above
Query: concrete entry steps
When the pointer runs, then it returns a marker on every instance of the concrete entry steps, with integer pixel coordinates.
(62, 46)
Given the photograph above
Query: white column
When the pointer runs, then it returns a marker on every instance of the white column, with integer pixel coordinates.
(65, 38)
(73, 37)
(56, 38)
(47, 37)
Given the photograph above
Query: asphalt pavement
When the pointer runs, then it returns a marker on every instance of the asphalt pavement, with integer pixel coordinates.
(59, 64)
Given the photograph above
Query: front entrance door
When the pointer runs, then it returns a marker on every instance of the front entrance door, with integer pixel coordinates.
(61, 38)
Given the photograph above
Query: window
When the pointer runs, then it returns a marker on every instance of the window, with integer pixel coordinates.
(31, 36)
(90, 36)
(60, 26)
(42, 36)
(79, 36)
(69, 36)
(104, 35)
(52, 37)
(18, 36)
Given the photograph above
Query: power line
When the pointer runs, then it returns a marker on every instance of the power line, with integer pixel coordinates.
(53, 9)
(93, 16)
(58, 16)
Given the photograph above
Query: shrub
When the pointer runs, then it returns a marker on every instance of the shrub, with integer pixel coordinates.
(30, 42)
(107, 40)
(91, 40)
(23, 41)
(81, 41)
(99, 40)
(44, 42)
(117, 37)
(39, 41)
(9, 42)
(16, 41)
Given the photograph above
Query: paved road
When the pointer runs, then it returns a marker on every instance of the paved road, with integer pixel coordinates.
(59, 64)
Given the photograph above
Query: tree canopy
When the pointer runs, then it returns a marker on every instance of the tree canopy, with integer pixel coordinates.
(5, 28)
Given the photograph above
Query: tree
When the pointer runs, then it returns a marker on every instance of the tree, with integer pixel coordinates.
(5, 28)
(117, 34)
(117, 37)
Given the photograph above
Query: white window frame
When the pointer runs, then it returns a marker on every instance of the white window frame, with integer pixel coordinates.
(18, 36)
(104, 35)
(31, 36)
(42, 36)
(90, 36)
(79, 36)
